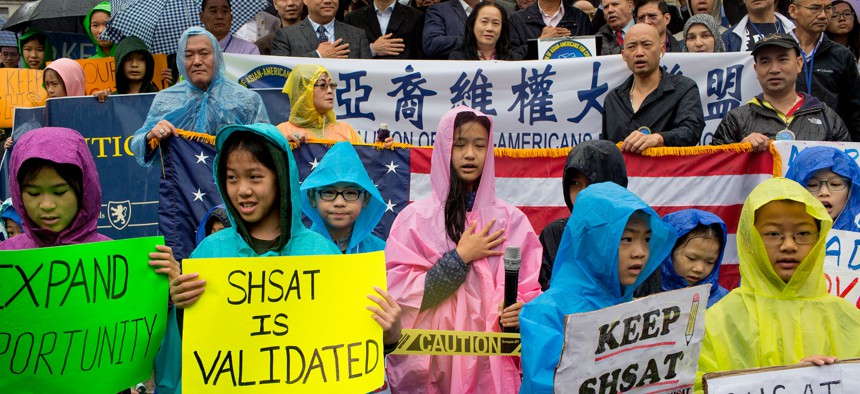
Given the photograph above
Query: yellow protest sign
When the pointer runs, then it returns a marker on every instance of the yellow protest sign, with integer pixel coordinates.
(101, 73)
(20, 88)
(296, 324)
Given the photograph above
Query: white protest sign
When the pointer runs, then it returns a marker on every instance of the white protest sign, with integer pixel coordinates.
(788, 150)
(535, 104)
(839, 378)
(641, 346)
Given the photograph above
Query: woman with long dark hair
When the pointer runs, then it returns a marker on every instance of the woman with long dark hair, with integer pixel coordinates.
(844, 27)
(487, 35)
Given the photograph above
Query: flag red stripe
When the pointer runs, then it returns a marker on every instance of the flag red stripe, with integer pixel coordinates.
(719, 163)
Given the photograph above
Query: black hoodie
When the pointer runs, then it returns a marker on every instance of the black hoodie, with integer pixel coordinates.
(125, 47)
(599, 161)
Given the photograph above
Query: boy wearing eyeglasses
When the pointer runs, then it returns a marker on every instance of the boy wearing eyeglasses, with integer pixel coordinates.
(781, 314)
(342, 201)
(830, 175)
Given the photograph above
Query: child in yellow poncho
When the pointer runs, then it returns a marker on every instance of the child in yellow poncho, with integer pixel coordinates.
(782, 313)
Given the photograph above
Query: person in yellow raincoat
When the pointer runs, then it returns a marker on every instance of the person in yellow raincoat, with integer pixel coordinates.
(311, 90)
(782, 313)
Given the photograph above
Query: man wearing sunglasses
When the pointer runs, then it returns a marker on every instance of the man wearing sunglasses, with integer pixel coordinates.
(829, 70)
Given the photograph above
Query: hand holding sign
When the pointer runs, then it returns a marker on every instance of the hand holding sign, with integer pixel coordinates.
(388, 317)
(819, 360)
(164, 260)
(186, 289)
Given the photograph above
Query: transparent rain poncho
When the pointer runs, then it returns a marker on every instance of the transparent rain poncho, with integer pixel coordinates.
(188, 108)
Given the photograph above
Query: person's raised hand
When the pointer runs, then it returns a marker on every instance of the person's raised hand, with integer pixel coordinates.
(387, 315)
(167, 77)
(8, 143)
(333, 49)
(477, 245)
(388, 46)
(186, 289)
(759, 141)
(163, 129)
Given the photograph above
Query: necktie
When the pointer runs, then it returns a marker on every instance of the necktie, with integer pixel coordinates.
(618, 38)
(321, 34)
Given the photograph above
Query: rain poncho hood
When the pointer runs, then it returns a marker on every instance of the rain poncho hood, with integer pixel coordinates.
(683, 222)
(300, 88)
(61, 146)
(342, 164)
(49, 49)
(219, 213)
(585, 275)
(418, 240)
(709, 23)
(104, 7)
(8, 212)
(767, 322)
(126, 47)
(815, 158)
(189, 108)
(295, 239)
(72, 75)
(598, 160)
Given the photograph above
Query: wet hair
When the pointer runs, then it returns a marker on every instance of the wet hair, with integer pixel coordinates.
(455, 203)
(41, 38)
(661, 5)
(70, 173)
(206, 2)
(254, 145)
(711, 231)
(470, 42)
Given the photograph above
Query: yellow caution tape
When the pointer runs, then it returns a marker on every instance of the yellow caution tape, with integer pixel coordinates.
(460, 343)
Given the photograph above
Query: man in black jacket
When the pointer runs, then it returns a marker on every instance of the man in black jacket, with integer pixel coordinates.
(651, 108)
(394, 30)
(780, 112)
(829, 69)
(546, 19)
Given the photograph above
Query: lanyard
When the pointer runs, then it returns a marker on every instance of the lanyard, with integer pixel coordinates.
(228, 43)
(807, 67)
(778, 25)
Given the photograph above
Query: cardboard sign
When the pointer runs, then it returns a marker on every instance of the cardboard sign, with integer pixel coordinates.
(20, 88)
(101, 73)
(89, 315)
(284, 324)
(839, 378)
(648, 345)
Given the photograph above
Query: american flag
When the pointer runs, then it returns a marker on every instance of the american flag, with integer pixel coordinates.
(716, 179)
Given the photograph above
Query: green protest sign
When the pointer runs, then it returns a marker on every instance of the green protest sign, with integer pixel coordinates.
(83, 317)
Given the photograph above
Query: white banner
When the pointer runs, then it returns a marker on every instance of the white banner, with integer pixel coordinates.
(535, 104)
(842, 377)
(645, 346)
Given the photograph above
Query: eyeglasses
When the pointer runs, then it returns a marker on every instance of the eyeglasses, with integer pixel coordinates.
(9, 54)
(323, 86)
(816, 9)
(802, 238)
(833, 184)
(845, 14)
(331, 194)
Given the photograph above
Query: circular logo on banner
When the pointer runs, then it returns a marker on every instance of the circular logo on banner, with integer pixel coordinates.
(265, 76)
(567, 49)
(644, 130)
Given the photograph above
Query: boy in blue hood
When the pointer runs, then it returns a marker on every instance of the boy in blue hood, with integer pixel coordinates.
(342, 201)
(832, 177)
(698, 253)
(611, 244)
(10, 220)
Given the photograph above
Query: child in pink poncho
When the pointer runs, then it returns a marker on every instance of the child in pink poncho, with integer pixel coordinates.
(445, 266)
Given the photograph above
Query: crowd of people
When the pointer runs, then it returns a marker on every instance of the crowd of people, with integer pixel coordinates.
(443, 253)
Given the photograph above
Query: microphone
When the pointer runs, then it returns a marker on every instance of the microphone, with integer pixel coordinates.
(512, 261)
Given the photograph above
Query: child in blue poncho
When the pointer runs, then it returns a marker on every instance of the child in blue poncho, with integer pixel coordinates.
(832, 177)
(342, 201)
(10, 220)
(698, 253)
(611, 244)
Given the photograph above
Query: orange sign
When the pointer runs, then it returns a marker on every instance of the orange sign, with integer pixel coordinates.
(20, 88)
(101, 73)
